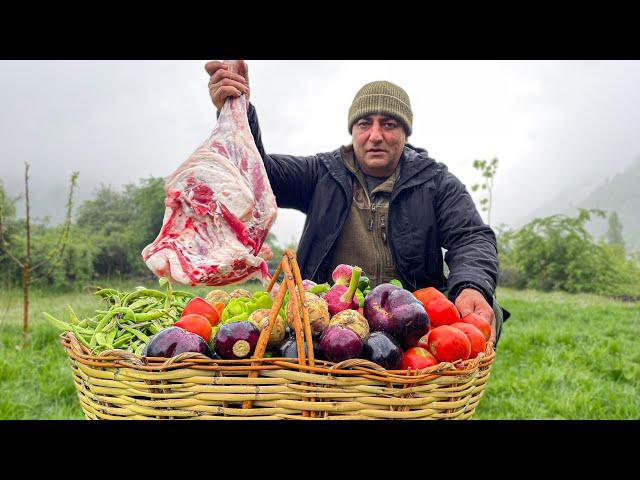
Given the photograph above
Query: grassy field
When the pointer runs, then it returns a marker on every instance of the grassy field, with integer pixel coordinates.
(560, 357)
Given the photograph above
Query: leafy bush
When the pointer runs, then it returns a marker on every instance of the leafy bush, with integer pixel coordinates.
(557, 253)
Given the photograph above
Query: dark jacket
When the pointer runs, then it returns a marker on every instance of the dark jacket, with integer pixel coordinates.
(430, 209)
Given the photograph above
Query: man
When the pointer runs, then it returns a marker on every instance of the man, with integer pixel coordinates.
(380, 203)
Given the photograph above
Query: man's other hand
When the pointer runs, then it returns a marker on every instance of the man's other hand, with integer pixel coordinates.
(472, 301)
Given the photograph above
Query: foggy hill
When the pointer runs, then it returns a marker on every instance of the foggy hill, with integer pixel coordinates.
(620, 193)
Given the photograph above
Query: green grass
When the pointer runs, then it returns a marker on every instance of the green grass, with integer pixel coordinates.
(565, 357)
(560, 357)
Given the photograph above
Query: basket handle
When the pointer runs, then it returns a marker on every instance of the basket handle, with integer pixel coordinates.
(302, 327)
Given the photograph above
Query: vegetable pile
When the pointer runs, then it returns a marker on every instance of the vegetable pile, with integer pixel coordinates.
(129, 320)
(388, 325)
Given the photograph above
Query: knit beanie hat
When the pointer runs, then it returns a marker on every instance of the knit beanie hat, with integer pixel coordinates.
(382, 98)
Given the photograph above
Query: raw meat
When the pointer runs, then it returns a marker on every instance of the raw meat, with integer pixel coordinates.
(219, 208)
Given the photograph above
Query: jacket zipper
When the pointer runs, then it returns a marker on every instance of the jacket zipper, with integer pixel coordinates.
(373, 215)
(376, 244)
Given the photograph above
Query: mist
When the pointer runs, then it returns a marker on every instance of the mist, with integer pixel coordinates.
(557, 127)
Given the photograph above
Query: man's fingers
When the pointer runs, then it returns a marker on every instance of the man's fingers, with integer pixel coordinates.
(223, 93)
(219, 74)
(243, 69)
(212, 67)
(464, 306)
(227, 82)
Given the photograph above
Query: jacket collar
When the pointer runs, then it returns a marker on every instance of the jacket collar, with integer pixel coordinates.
(417, 167)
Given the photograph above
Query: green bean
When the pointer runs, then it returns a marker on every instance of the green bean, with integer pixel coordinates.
(154, 327)
(92, 322)
(85, 331)
(106, 292)
(122, 340)
(72, 315)
(145, 302)
(143, 317)
(111, 336)
(114, 311)
(168, 299)
(137, 333)
(138, 325)
(80, 337)
(101, 339)
(142, 293)
(179, 293)
(65, 327)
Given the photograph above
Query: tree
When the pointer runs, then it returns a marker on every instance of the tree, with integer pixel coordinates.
(122, 223)
(488, 170)
(51, 259)
(614, 234)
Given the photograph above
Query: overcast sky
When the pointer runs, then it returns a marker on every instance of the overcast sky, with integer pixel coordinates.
(556, 126)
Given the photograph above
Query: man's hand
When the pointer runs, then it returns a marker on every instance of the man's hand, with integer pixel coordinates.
(224, 84)
(472, 301)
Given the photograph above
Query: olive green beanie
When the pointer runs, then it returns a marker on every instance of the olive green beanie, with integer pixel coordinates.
(382, 98)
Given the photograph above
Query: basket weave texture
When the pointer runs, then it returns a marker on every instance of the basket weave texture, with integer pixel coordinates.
(119, 385)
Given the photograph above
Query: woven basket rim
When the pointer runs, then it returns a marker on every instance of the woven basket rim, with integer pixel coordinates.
(354, 367)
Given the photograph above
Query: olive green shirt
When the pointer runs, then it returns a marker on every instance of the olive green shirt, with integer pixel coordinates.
(363, 240)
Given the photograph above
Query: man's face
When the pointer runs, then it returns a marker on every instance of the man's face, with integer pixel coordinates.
(378, 141)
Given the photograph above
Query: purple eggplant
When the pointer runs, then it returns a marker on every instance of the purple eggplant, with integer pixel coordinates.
(289, 348)
(339, 343)
(173, 341)
(396, 311)
(236, 340)
(381, 348)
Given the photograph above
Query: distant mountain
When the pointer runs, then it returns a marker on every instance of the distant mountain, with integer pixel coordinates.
(619, 193)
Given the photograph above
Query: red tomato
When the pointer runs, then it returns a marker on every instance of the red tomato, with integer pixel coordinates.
(425, 295)
(417, 358)
(480, 323)
(442, 311)
(423, 341)
(448, 344)
(475, 336)
(199, 306)
(195, 324)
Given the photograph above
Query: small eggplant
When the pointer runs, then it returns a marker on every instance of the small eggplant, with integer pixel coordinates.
(289, 349)
(381, 348)
(172, 341)
(339, 343)
(235, 340)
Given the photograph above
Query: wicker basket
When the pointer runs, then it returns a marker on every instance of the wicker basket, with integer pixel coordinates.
(119, 385)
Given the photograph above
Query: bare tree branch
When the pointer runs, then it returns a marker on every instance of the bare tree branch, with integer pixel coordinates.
(27, 259)
(57, 251)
